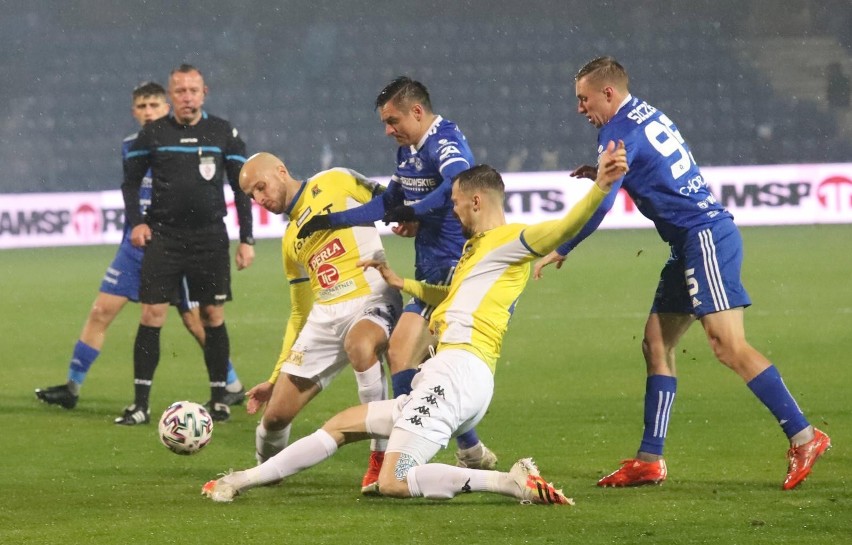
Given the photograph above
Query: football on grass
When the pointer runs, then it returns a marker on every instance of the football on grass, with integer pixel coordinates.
(185, 427)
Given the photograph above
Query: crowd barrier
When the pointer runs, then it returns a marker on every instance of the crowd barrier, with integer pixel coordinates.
(756, 195)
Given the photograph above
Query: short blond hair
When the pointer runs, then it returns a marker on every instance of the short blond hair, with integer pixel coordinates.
(604, 69)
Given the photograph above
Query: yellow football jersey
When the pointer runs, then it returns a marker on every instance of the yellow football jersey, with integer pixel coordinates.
(327, 259)
(473, 312)
(487, 282)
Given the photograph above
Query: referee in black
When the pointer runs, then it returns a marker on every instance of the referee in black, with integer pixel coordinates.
(183, 231)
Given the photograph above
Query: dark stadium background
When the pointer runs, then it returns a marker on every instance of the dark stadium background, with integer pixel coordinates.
(744, 80)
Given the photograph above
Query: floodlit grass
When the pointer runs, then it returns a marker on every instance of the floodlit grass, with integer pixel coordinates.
(569, 393)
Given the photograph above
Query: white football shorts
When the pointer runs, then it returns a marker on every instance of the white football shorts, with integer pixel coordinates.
(318, 353)
(450, 395)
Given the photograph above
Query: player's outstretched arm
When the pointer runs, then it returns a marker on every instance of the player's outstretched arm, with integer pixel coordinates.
(301, 302)
(366, 214)
(393, 280)
(545, 237)
(437, 200)
(430, 293)
(320, 222)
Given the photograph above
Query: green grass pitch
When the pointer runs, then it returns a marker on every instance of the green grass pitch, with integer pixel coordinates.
(569, 393)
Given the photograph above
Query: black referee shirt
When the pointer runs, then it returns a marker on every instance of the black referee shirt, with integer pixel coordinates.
(187, 164)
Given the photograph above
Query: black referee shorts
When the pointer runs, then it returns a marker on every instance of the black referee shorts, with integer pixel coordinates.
(200, 255)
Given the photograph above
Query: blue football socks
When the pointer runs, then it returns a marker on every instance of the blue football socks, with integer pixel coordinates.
(81, 360)
(659, 397)
(771, 390)
(232, 375)
(401, 382)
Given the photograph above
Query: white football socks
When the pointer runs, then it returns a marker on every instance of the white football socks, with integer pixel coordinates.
(373, 386)
(268, 443)
(302, 454)
(442, 482)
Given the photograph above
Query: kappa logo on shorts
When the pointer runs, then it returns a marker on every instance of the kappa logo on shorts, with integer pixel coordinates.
(423, 410)
(416, 420)
(431, 400)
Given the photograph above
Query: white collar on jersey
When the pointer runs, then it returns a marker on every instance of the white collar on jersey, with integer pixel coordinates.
(429, 131)
(627, 99)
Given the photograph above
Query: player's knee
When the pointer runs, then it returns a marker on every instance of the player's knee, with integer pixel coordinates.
(212, 315)
(729, 354)
(391, 486)
(275, 420)
(102, 315)
(655, 349)
(154, 315)
(361, 353)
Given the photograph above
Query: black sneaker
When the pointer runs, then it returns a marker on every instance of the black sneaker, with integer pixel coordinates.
(219, 411)
(57, 395)
(234, 398)
(134, 415)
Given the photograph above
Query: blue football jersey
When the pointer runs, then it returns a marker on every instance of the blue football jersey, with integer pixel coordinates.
(424, 174)
(145, 189)
(664, 180)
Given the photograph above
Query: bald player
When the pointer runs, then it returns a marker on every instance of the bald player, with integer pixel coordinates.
(340, 314)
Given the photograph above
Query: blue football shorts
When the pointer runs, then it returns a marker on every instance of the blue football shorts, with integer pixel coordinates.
(439, 276)
(702, 275)
(122, 277)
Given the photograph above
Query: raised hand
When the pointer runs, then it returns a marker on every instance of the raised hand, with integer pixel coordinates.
(399, 214)
(552, 257)
(585, 171)
(612, 165)
(407, 229)
(319, 222)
